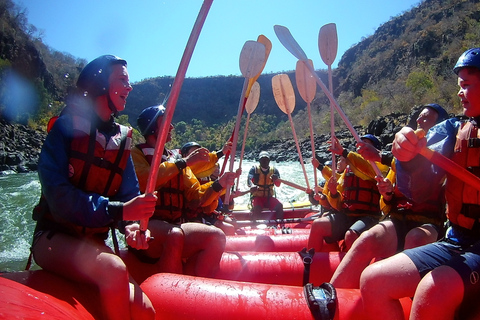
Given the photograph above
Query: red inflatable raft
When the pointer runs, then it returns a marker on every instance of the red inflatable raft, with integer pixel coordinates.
(185, 297)
(33, 295)
(273, 243)
(285, 268)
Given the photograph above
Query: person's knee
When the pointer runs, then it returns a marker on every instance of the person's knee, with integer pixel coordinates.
(368, 243)
(418, 237)
(371, 280)
(114, 271)
(350, 237)
(176, 237)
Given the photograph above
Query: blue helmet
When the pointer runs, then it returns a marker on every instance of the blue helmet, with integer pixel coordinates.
(442, 114)
(93, 79)
(470, 58)
(376, 143)
(147, 120)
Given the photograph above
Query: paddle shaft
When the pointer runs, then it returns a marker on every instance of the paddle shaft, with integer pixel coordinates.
(307, 87)
(292, 184)
(277, 221)
(172, 101)
(298, 149)
(448, 165)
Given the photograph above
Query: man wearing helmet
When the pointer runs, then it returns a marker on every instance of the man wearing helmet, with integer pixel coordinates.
(265, 178)
(408, 224)
(442, 277)
(88, 187)
(176, 239)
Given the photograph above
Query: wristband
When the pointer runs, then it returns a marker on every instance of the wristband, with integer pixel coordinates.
(181, 164)
(216, 186)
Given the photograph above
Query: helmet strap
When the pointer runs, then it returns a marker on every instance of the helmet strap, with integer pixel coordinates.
(111, 105)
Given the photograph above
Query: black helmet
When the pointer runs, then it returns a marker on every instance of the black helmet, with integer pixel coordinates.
(470, 58)
(376, 143)
(188, 145)
(147, 120)
(93, 79)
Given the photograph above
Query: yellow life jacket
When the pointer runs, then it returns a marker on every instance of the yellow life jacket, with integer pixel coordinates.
(170, 203)
(265, 183)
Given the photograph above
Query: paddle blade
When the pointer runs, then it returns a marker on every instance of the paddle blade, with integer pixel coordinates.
(283, 93)
(306, 84)
(328, 43)
(268, 47)
(287, 40)
(252, 100)
(252, 58)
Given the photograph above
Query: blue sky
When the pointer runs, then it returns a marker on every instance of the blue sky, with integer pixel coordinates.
(151, 34)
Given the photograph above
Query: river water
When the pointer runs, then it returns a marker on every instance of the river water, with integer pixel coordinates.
(19, 193)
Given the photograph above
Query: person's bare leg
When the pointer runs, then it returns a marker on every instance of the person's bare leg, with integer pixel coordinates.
(378, 241)
(167, 246)
(88, 261)
(141, 306)
(438, 295)
(203, 249)
(383, 283)
(321, 228)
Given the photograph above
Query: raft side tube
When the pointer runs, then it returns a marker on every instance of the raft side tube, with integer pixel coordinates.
(186, 297)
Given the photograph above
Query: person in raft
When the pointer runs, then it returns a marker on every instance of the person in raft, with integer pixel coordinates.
(264, 177)
(353, 195)
(175, 239)
(88, 187)
(408, 223)
(205, 173)
(442, 277)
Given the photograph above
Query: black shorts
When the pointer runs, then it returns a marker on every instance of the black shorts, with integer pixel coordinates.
(341, 223)
(403, 226)
(465, 260)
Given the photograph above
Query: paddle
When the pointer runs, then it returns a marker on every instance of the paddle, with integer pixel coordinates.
(307, 87)
(292, 184)
(268, 47)
(250, 106)
(252, 60)
(277, 221)
(285, 98)
(448, 165)
(328, 46)
(172, 101)
(294, 48)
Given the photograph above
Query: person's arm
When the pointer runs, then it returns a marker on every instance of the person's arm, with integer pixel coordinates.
(417, 177)
(251, 179)
(275, 177)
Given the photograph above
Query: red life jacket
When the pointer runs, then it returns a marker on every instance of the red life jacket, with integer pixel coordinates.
(96, 165)
(360, 196)
(463, 200)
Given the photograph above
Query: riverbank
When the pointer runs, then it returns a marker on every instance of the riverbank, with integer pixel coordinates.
(20, 145)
